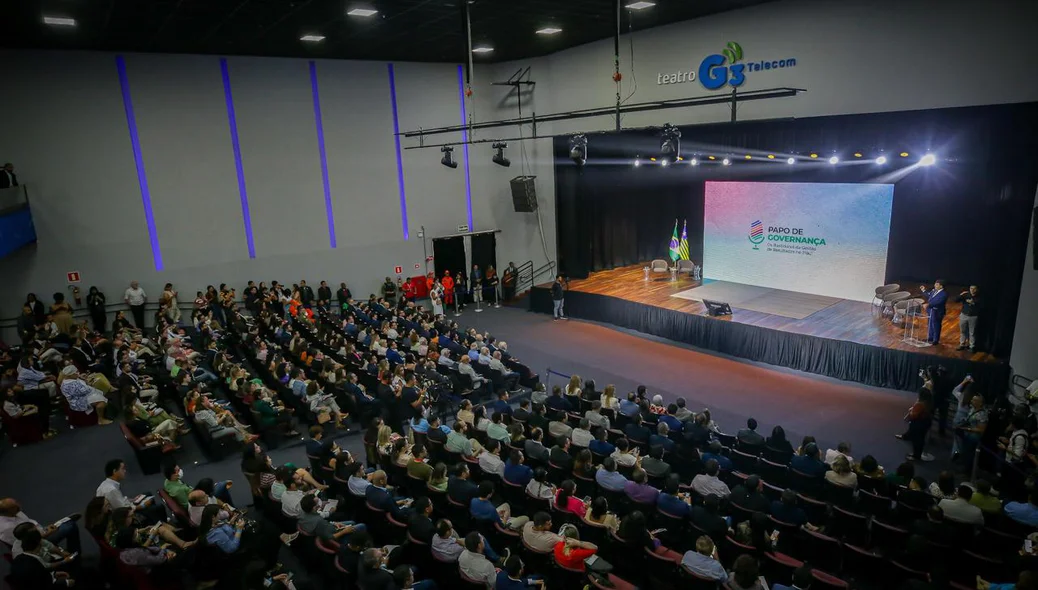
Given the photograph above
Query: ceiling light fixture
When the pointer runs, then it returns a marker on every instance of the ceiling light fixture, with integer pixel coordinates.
(726, 162)
(693, 162)
(881, 160)
(637, 162)
(857, 154)
(312, 38)
(499, 158)
(59, 21)
(670, 142)
(549, 31)
(448, 157)
(365, 12)
(813, 156)
(834, 160)
(904, 154)
(928, 160)
(771, 156)
(640, 5)
(482, 49)
(791, 161)
(749, 157)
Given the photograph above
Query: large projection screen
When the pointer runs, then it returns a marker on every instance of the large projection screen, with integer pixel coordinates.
(820, 238)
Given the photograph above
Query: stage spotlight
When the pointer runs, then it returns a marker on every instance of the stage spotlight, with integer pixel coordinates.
(857, 154)
(664, 162)
(834, 160)
(499, 158)
(791, 161)
(578, 149)
(693, 162)
(680, 159)
(771, 156)
(670, 142)
(928, 160)
(749, 157)
(726, 162)
(448, 157)
(813, 156)
(903, 154)
(881, 160)
(637, 162)
(711, 158)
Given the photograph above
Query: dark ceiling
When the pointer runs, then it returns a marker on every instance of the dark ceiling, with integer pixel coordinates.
(405, 30)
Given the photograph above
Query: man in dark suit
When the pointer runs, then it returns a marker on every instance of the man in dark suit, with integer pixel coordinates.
(421, 526)
(654, 465)
(750, 441)
(560, 456)
(695, 432)
(538, 419)
(380, 497)
(28, 571)
(523, 413)
(936, 299)
(809, 463)
(459, 487)
(306, 294)
(534, 446)
(7, 176)
(636, 432)
(662, 438)
(371, 575)
(749, 495)
(706, 518)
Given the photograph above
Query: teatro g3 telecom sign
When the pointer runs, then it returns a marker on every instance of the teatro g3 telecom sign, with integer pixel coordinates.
(727, 68)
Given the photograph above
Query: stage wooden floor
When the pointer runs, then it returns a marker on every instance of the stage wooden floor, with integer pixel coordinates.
(852, 321)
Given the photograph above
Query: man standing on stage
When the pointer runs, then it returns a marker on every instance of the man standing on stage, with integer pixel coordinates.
(557, 298)
(936, 299)
(968, 318)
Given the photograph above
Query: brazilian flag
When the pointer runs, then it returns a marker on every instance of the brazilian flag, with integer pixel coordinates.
(674, 252)
(683, 247)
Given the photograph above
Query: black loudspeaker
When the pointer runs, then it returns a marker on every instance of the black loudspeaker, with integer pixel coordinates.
(524, 195)
(716, 308)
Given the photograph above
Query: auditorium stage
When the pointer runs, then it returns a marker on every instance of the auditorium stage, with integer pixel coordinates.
(844, 339)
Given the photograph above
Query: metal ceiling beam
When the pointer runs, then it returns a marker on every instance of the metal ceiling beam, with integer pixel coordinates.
(765, 94)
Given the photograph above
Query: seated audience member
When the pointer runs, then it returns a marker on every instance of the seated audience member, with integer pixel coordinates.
(1025, 513)
(608, 477)
(523, 412)
(538, 533)
(28, 569)
(465, 414)
(534, 446)
(745, 574)
(842, 449)
(421, 526)
(778, 441)
(581, 435)
(501, 405)
(511, 576)
(707, 517)
(419, 466)
(708, 482)
(371, 571)
(984, 499)
(571, 552)
(473, 562)
(483, 509)
(601, 445)
(662, 438)
(624, 455)
(703, 561)
(460, 487)
(672, 501)
(11, 516)
(933, 527)
(750, 441)
(446, 546)
(490, 460)
(959, 508)
(559, 455)
(438, 478)
(871, 469)
(634, 530)
(379, 496)
(178, 490)
(357, 481)
(808, 463)
(786, 509)
(598, 514)
(111, 490)
(714, 452)
(82, 397)
(22, 408)
(637, 432)
(539, 416)
(539, 487)
(944, 487)
(654, 465)
(841, 473)
(749, 495)
(459, 442)
(638, 489)
(584, 465)
(556, 401)
(629, 407)
(516, 471)
(566, 501)
(160, 533)
(802, 579)
(312, 522)
(595, 417)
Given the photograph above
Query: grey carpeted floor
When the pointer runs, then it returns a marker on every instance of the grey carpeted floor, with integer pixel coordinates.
(58, 477)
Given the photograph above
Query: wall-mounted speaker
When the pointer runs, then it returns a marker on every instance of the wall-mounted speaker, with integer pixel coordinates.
(524, 195)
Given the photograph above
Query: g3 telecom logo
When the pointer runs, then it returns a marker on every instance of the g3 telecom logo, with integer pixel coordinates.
(756, 234)
(725, 68)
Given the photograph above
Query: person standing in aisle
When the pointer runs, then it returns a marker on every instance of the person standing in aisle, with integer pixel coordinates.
(558, 298)
(135, 297)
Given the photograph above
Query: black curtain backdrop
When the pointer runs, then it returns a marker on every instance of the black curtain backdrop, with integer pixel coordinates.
(964, 220)
(449, 254)
(484, 251)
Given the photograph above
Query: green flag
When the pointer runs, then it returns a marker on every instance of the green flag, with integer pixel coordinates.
(683, 247)
(674, 252)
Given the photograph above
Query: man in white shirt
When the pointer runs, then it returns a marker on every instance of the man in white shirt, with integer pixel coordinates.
(291, 498)
(465, 368)
(511, 377)
(841, 449)
(595, 416)
(11, 516)
(708, 483)
(581, 435)
(135, 297)
(490, 461)
(473, 564)
(959, 508)
(111, 490)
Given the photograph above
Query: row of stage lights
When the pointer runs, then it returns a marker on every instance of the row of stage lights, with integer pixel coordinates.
(927, 159)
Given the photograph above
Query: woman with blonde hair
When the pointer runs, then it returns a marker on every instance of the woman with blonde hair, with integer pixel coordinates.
(608, 398)
(573, 390)
(841, 473)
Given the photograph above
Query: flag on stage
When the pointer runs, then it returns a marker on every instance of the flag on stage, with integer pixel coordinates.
(683, 247)
(674, 254)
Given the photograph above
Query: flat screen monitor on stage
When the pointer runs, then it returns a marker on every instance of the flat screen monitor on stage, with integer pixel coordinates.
(821, 238)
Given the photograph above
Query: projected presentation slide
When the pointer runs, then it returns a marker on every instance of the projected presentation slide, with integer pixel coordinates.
(821, 238)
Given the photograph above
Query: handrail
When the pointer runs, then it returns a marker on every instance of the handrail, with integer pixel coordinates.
(528, 278)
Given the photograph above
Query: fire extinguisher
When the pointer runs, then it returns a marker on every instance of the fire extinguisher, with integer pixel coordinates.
(76, 297)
